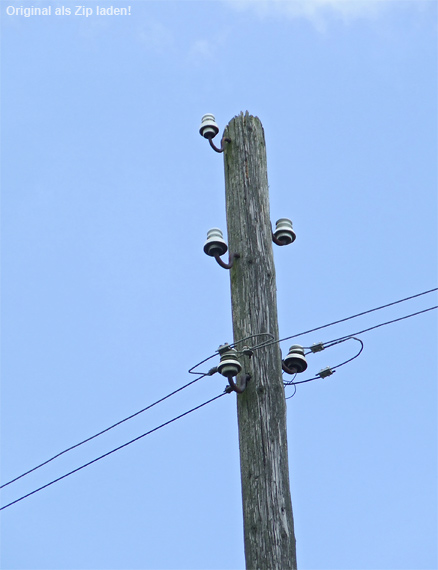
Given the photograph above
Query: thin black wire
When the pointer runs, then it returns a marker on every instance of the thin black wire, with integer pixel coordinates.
(230, 346)
(269, 343)
(333, 368)
(295, 391)
(344, 338)
(252, 336)
(355, 316)
(112, 451)
(341, 339)
(354, 357)
(202, 375)
(202, 362)
(308, 380)
(101, 432)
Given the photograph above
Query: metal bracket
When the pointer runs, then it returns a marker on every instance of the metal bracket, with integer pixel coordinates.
(277, 241)
(288, 370)
(222, 147)
(231, 259)
(238, 387)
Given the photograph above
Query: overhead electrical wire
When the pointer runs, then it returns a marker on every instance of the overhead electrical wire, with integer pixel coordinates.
(274, 341)
(332, 368)
(112, 451)
(386, 323)
(102, 432)
(353, 317)
(212, 371)
(295, 391)
(191, 371)
(348, 337)
(200, 376)
(353, 357)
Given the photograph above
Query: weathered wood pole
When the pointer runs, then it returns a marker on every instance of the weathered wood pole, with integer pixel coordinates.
(267, 507)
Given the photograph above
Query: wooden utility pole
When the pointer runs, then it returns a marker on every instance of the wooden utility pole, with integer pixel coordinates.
(267, 507)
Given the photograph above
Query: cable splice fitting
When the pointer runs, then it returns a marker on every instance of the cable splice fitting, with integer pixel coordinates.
(326, 372)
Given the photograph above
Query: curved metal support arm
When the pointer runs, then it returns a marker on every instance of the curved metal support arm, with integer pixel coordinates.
(277, 241)
(233, 387)
(222, 147)
(230, 263)
(288, 370)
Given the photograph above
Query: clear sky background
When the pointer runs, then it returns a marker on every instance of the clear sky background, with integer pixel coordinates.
(108, 299)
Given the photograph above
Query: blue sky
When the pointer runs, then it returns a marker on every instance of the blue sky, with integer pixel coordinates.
(108, 299)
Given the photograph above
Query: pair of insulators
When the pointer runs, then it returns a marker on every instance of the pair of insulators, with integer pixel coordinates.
(229, 365)
(215, 244)
(295, 360)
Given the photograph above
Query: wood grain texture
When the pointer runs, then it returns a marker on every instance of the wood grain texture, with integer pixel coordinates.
(267, 508)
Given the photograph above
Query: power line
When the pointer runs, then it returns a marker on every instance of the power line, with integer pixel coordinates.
(341, 339)
(112, 451)
(352, 336)
(349, 318)
(234, 344)
(202, 362)
(353, 357)
(201, 375)
(102, 432)
(295, 391)
(331, 343)
(273, 341)
(384, 324)
(332, 368)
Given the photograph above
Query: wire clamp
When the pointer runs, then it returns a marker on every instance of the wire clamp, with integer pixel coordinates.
(317, 347)
(247, 351)
(326, 372)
